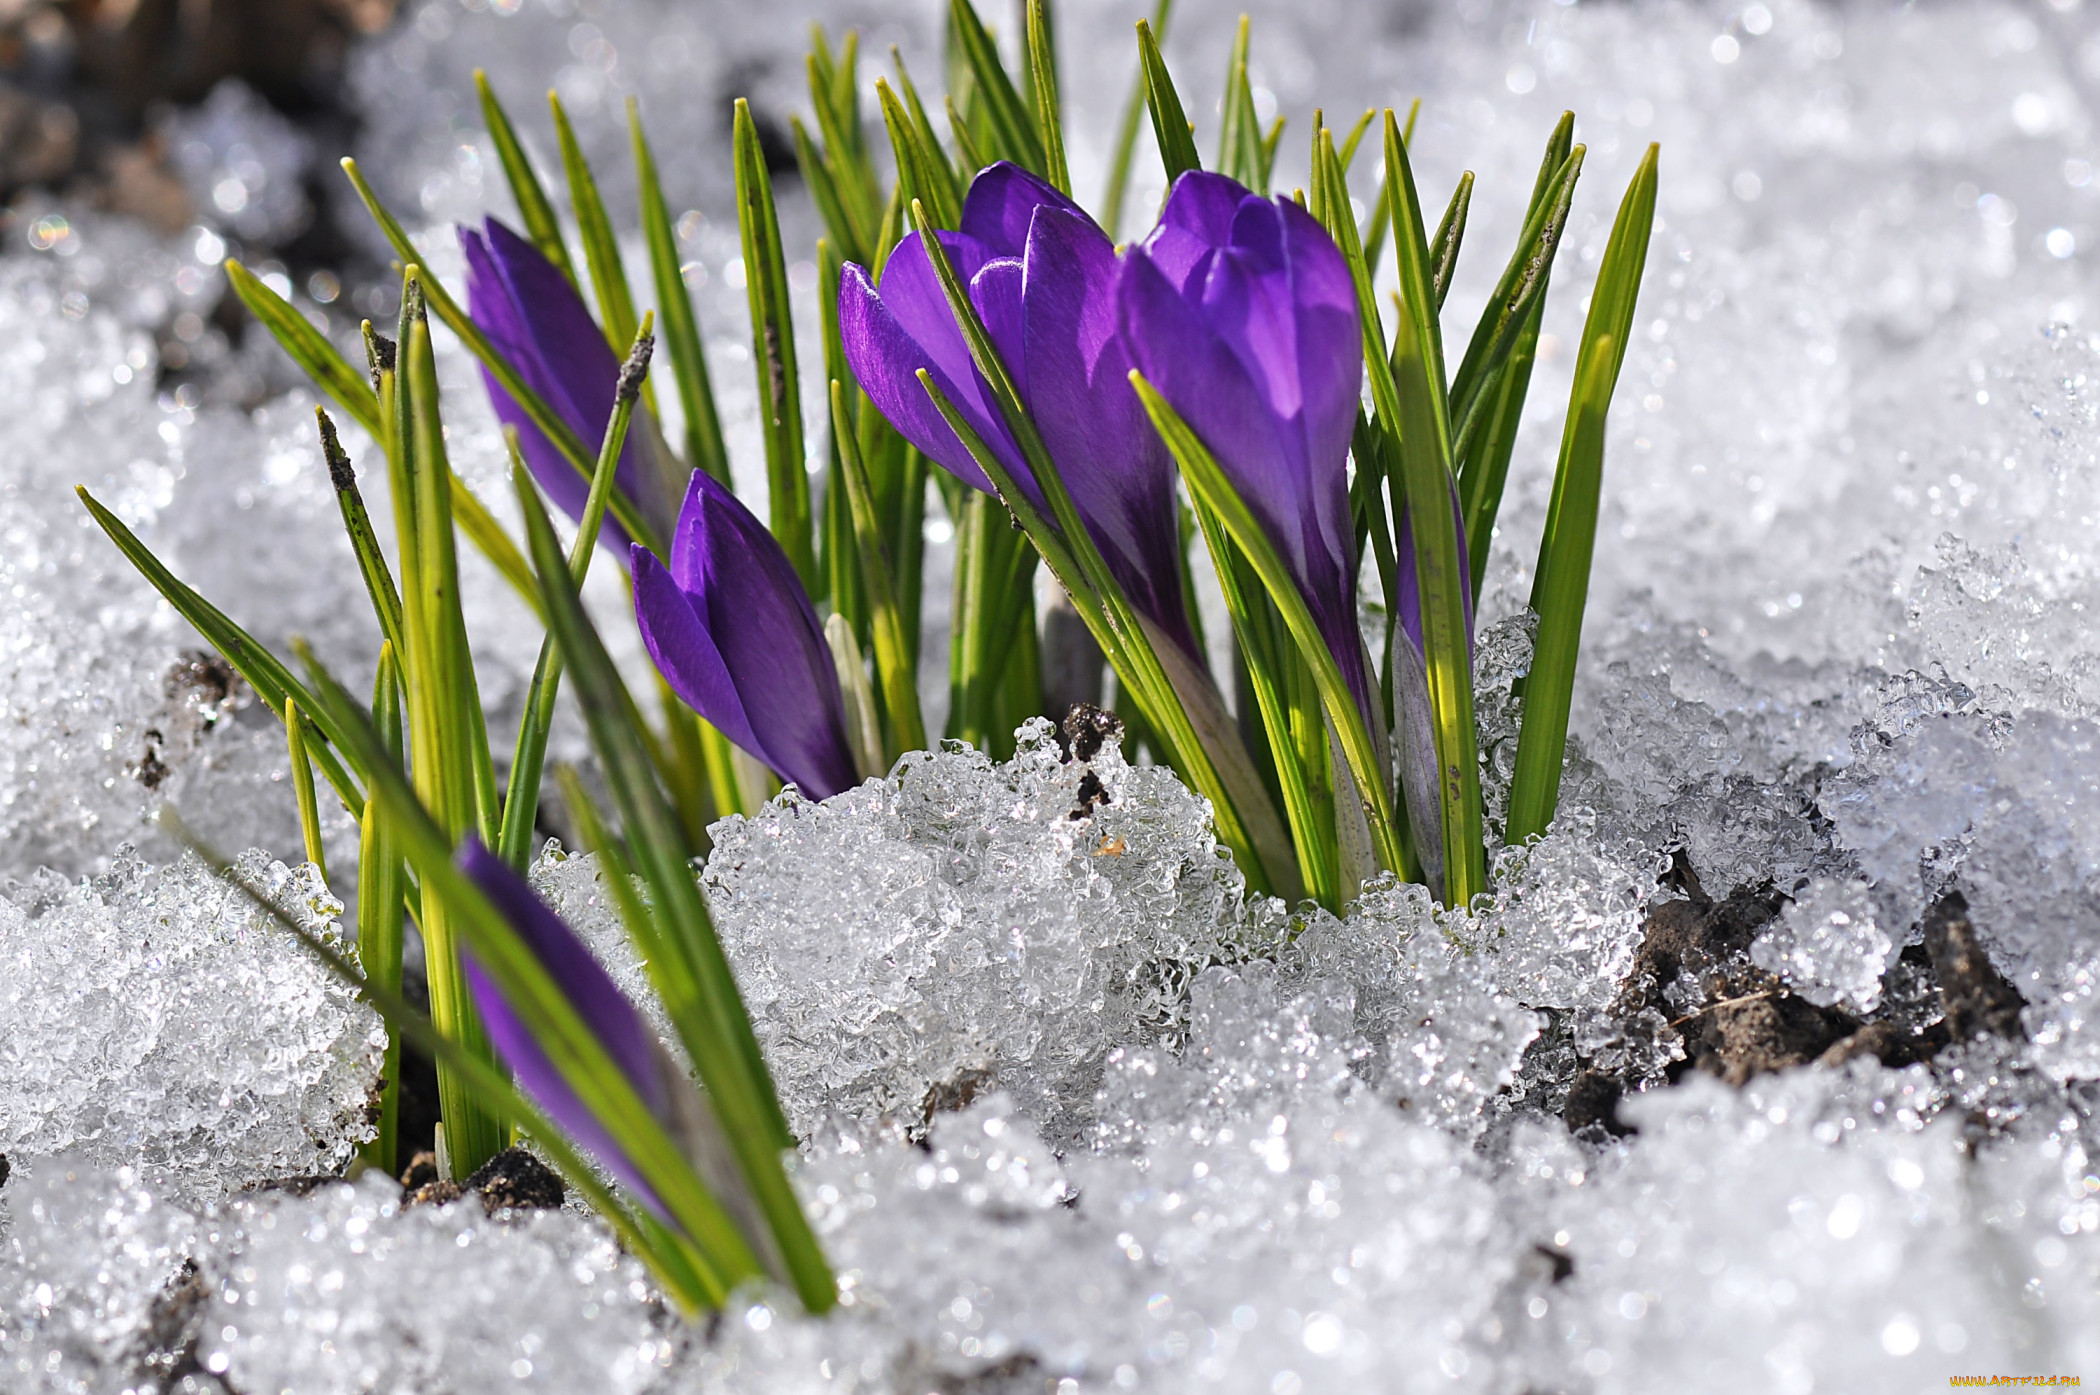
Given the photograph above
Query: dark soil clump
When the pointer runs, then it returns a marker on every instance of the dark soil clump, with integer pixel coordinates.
(167, 1349)
(1693, 980)
(516, 1180)
(1593, 1106)
(513, 1180)
(1977, 998)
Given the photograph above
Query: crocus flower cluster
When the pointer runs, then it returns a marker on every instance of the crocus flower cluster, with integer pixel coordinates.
(1042, 276)
(1239, 310)
(727, 621)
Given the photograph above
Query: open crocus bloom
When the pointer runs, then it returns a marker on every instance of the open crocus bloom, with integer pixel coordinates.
(733, 633)
(535, 318)
(1041, 275)
(1241, 311)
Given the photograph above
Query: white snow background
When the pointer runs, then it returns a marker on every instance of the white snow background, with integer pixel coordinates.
(1839, 640)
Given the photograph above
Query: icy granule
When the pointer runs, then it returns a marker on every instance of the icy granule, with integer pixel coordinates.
(1828, 946)
(155, 1018)
(1444, 1037)
(1810, 1232)
(959, 923)
(243, 164)
(344, 1291)
(83, 1257)
(2009, 811)
(102, 1279)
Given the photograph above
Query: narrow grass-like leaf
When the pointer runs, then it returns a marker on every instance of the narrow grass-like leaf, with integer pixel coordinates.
(970, 157)
(448, 741)
(265, 673)
(371, 560)
(992, 603)
(922, 126)
(1241, 149)
(1493, 441)
(521, 800)
(773, 352)
(380, 885)
(838, 553)
(923, 172)
(893, 660)
(601, 249)
(704, 448)
(307, 347)
(295, 729)
(1049, 112)
(1443, 247)
(1418, 413)
(1356, 136)
(1208, 482)
(834, 93)
(1560, 587)
(1521, 287)
(1170, 123)
(1127, 133)
(1559, 597)
(534, 207)
(692, 973)
(1374, 229)
(441, 303)
(1010, 117)
(824, 192)
(1269, 682)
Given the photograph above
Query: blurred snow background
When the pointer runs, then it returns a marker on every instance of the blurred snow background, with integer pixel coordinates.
(1078, 1119)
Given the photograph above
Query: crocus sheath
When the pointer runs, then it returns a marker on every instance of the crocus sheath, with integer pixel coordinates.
(1041, 274)
(615, 1022)
(535, 318)
(733, 632)
(1241, 311)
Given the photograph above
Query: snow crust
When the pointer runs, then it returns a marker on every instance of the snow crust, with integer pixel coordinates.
(1077, 1115)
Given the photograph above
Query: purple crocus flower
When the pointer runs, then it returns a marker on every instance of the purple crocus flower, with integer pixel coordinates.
(1041, 274)
(1241, 311)
(598, 1001)
(535, 318)
(733, 632)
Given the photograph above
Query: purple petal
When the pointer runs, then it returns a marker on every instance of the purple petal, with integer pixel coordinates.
(1001, 205)
(996, 292)
(1255, 350)
(734, 634)
(1410, 589)
(1117, 468)
(1191, 365)
(1197, 219)
(891, 332)
(590, 990)
(535, 318)
(675, 633)
(885, 362)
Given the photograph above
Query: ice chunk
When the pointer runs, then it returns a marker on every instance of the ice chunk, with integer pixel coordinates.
(1829, 947)
(344, 1291)
(85, 1259)
(959, 923)
(154, 1018)
(243, 164)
